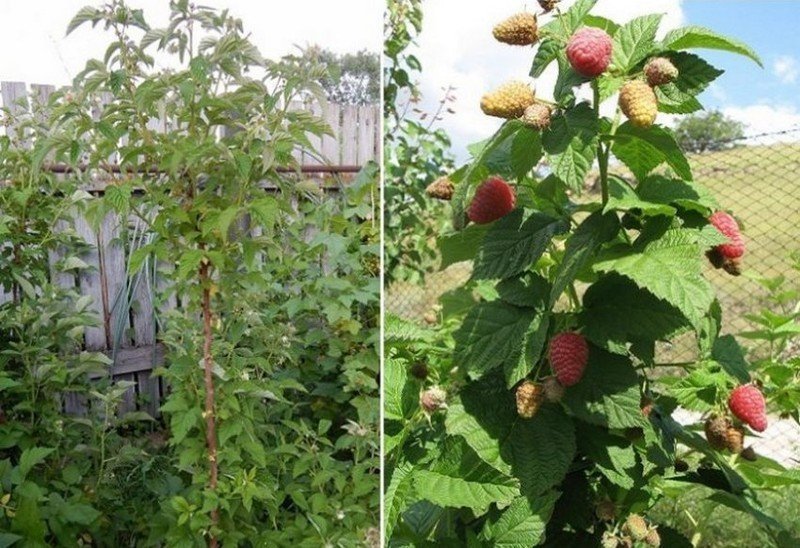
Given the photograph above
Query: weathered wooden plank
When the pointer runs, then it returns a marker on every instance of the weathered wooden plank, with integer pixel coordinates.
(313, 158)
(113, 279)
(75, 404)
(366, 135)
(330, 144)
(348, 138)
(166, 299)
(57, 276)
(142, 311)
(137, 359)
(90, 283)
(15, 99)
(149, 389)
(127, 402)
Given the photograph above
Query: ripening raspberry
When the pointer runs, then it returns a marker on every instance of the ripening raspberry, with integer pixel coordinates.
(589, 51)
(568, 354)
(493, 199)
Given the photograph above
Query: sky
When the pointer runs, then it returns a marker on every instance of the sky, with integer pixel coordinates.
(33, 30)
(765, 99)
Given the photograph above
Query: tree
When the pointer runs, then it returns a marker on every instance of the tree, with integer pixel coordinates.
(352, 78)
(708, 131)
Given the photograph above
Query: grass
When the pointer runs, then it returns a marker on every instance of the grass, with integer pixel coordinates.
(712, 525)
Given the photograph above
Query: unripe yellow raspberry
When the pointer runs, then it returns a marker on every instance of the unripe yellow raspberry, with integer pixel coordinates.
(508, 101)
(529, 398)
(518, 30)
(537, 116)
(639, 103)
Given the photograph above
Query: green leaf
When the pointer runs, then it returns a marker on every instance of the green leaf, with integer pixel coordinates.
(613, 455)
(616, 312)
(548, 51)
(634, 41)
(526, 151)
(8, 539)
(29, 523)
(694, 76)
(571, 143)
(31, 457)
(644, 149)
(593, 232)
(491, 334)
(731, 357)
(462, 245)
(602, 23)
(86, 13)
(522, 524)
(622, 197)
(398, 494)
(687, 195)
(669, 268)
(399, 395)
(608, 394)
(515, 242)
(700, 37)
(535, 339)
(574, 17)
(566, 80)
(531, 290)
(461, 480)
(538, 451)
(396, 329)
(463, 189)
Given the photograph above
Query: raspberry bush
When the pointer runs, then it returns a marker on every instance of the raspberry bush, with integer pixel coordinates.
(581, 287)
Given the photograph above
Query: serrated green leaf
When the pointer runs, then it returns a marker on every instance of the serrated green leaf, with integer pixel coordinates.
(31, 457)
(574, 16)
(399, 395)
(698, 390)
(701, 37)
(566, 80)
(546, 54)
(644, 149)
(622, 197)
(608, 394)
(669, 269)
(526, 151)
(571, 144)
(491, 334)
(515, 242)
(459, 479)
(534, 343)
(86, 13)
(537, 451)
(616, 311)
(731, 357)
(522, 524)
(462, 245)
(396, 329)
(694, 76)
(607, 25)
(593, 232)
(684, 194)
(398, 494)
(634, 41)
(532, 290)
(613, 455)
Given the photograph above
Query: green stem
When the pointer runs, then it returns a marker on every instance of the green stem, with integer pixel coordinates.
(602, 151)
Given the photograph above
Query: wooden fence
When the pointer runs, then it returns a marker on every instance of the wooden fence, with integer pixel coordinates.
(128, 334)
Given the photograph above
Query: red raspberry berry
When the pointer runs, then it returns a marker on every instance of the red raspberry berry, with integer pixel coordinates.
(494, 199)
(728, 226)
(747, 403)
(568, 354)
(589, 51)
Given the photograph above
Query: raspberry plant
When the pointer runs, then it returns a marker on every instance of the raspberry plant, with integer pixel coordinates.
(268, 435)
(509, 460)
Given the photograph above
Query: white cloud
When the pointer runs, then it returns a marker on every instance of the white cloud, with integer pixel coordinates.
(36, 51)
(457, 48)
(786, 69)
(763, 118)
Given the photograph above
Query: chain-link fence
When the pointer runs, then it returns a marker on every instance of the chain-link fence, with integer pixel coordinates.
(757, 178)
